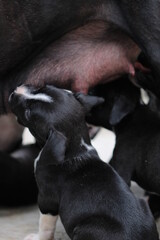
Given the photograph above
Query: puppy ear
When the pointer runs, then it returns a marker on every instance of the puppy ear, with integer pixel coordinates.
(53, 152)
(88, 102)
(121, 108)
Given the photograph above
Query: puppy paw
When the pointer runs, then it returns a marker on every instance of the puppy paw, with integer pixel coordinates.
(32, 237)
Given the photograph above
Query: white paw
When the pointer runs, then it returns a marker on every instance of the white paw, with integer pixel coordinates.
(32, 237)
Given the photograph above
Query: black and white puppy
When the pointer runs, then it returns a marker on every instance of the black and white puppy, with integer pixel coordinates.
(90, 197)
(136, 154)
(137, 129)
(120, 99)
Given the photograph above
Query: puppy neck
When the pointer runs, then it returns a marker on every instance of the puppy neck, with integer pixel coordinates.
(74, 153)
(79, 147)
(84, 152)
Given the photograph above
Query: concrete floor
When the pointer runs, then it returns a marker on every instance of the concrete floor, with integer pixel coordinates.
(15, 224)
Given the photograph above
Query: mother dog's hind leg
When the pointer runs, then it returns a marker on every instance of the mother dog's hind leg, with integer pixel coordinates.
(10, 133)
(17, 180)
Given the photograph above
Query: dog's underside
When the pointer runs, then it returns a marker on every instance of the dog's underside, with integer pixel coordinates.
(56, 43)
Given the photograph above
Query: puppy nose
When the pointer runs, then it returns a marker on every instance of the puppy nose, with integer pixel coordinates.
(21, 90)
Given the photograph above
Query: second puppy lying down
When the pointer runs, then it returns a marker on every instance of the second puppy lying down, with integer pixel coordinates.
(90, 197)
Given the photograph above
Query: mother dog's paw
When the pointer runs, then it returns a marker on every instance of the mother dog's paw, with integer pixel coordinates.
(32, 237)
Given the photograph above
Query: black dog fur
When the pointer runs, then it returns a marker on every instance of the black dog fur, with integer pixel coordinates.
(17, 180)
(137, 129)
(90, 197)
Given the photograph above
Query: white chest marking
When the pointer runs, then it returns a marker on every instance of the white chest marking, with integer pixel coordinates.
(144, 97)
(88, 147)
(68, 91)
(37, 159)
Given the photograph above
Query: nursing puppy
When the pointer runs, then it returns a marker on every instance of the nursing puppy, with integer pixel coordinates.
(137, 129)
(90, 197)
(138, 138)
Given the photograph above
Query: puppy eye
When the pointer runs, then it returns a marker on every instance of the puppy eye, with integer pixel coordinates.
(27, 114)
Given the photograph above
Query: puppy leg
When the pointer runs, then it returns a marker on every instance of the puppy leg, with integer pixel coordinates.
(47, 224)
(32, 237)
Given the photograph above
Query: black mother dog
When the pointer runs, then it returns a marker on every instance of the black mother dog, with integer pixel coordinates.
(90, 197)
(41, 37)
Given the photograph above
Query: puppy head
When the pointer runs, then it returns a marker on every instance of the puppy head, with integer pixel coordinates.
(121, 98)
(49, 107)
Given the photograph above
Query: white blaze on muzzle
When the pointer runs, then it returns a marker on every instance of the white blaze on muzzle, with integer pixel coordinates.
(66, 90)
(25, 92)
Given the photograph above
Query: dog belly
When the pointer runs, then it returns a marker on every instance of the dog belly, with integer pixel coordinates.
(94, 53)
